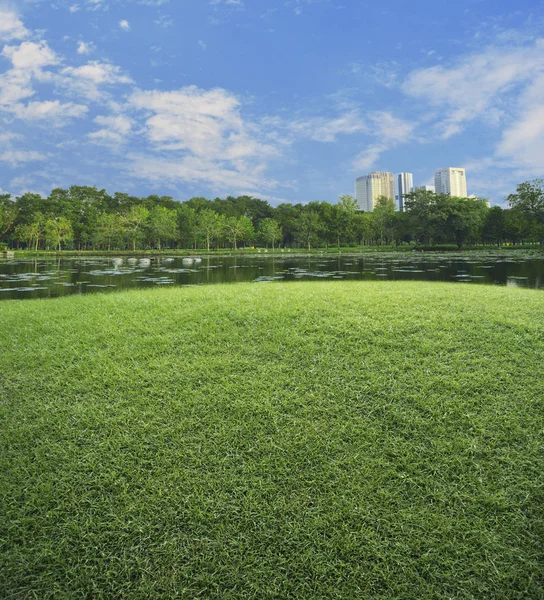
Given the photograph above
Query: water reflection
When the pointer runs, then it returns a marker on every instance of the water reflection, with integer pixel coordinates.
(49, 277)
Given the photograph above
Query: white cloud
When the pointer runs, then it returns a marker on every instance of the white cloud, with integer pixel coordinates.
(227, 2)
(522, 143)
(115, 129)
(322, 129)
(124, 25)
(85, 48)
(200, 135)
(30, 56)
(164, 21)
(477, 85)
(28, 60)
(52, 111)
(388, 131)
(90, 79)
(17, 157)
(11, 27)
(14, 86)
(503, 86)
(202, 44)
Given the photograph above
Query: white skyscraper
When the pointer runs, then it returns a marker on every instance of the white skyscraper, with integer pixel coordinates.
(405, 185)
(452, 181)
(370, 187)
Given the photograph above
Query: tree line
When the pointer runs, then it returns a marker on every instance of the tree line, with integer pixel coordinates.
(86, 218)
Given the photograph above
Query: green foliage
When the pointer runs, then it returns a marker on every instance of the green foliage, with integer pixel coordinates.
(308, 228)
(529, 202)
(163, 225)
(57, 231)
(297, 440)
(135, 223)
(270, 231)
(210, 225)
(123, 222)
(8, 213)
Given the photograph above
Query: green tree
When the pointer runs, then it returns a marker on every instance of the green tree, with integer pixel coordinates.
(383, 217)
(109, 229)
(135, 222)
(8, 213)
(57, 231)
(364, 228)
(238, 229)
(466, 217)
(494, 226)
(529, 201)
(308, 228)
(163, 225)
(344, 218)
(30, 232)
(187, 218)
(209, 226)
(270, 231)
(428, 213)
(28, 205)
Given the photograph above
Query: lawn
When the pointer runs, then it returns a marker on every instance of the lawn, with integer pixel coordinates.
(280, 440)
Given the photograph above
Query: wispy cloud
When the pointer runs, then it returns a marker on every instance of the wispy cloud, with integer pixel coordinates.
(476, 85)
(91, 80)
(124, 25)
(85, 48)
(387, 132)
(114, 129)
(17, 157)
(11, 26)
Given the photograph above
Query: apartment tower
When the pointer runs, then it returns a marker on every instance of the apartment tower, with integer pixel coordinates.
(452, 181)
(405, 185)
(369, 188)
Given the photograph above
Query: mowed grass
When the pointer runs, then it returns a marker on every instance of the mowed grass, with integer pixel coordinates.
(297, 440)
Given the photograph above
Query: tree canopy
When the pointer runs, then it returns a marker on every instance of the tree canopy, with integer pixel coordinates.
(88, 218)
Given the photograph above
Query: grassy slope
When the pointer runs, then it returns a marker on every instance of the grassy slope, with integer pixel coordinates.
(300, 440)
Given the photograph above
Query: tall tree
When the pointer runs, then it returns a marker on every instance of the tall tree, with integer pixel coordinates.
(163, 225)
(270, 231)
(309, 226)
(238, 229)
(58, 230)
(187, 218)
(135, 222)
(345, 218)
(383, 217)
(529, 201)
(209, 226)
(494, 227)
(8, 213)
(109, 228)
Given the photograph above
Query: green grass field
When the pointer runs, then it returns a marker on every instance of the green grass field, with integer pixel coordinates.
(285, 440)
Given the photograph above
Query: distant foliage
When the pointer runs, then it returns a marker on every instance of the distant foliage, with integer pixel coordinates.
(85, 218)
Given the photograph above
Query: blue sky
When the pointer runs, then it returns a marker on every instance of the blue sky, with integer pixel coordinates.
(286, 100)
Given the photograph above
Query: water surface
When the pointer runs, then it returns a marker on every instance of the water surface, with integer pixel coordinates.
(51, 277)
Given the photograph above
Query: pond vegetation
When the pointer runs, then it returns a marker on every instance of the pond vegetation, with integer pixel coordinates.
(50, 277)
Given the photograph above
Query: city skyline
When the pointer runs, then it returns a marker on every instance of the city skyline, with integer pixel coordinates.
(451, 180)
(448, 180)
(369, 187)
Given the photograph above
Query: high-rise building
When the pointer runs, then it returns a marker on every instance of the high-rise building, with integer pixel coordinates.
(426, 188)
(405, 185)
(369, 188)
(452, 181)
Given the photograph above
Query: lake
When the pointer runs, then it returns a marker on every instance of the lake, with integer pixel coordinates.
(49, 277)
